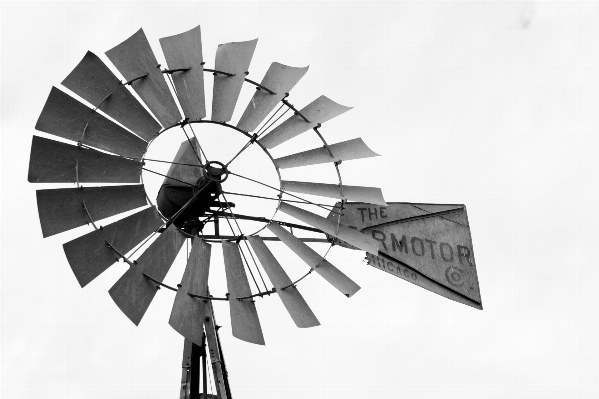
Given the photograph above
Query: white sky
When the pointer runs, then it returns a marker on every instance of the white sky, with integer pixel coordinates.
(490, 104)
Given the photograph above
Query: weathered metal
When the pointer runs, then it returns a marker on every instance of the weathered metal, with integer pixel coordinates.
(331, 227)
(279, 79)
(233, 58)
(372, 195)
(318, 111)
(431, 239)
(55, 162)
(66, 117)
(293, 301)
(245, 324)
(133, 293)
(330, 273)
(134, 58)
(92, 80)
(184, 51)
(218, 366)
(185, 155)
(344, 151)
(187, 315)
(61, 209)
(89, 255)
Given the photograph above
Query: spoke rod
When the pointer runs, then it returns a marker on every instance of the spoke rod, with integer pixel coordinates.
(172, 178)
(198, 141)
(277, 199)
(283, 192)
(245, 242)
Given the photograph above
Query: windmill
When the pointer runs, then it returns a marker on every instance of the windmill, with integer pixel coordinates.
(426, 244)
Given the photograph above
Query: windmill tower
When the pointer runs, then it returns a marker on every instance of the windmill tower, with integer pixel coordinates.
(427, 244)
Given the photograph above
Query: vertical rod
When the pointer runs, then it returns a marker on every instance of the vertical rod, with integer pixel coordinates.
(204, 366)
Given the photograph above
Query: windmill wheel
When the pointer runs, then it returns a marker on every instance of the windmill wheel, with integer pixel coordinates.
(110, 141)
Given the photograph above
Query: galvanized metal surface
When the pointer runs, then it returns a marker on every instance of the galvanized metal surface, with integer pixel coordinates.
(185, 51)
(66, 117)
(372, 195)
(134, 58)
(62, 209)
(400, 270)
(433, 239)
(133, 293)
(218, 367)
(233, 58)
(55, 162)
(89, 255)
(344, 151)
(331, 227)
(280, 79)
(330, 273)
(188, 314)
(93, 81)
(295, 304)
(188, 174)
(245, 324)
(318, 111)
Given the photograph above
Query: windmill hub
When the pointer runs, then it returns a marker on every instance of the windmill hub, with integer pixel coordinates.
(216, 171)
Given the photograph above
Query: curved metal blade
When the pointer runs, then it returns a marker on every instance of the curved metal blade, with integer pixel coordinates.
(133, 293)
(93, 81)
(62, 209)
(55, 162)
(344, 151)
(342, 232)
(90, 255)
(280, 79)
(185, 51)
(295, 304)
(66, 117)
(187, 316)
(186, 173)
(244, 317)
(233, 58)
(318, 111)
(371, 195)
(134, 58)
(330, 273)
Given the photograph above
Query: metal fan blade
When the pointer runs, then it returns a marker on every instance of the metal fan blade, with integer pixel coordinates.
(295, 304)
(233, 58)
(90, 255)
(279, 79)
(330, 273)
(318, 111)
(63, 209)
(371, 195)
(331, 227)
(93, 81)
(55, 162)
(187, 316)
(344, 151)
(134, 58)
(133, 293)
(184, 51)
(244, 317)
(189, 174)
(431, 239)
(66, 117)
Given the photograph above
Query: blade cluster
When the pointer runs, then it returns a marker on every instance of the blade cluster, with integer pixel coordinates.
(112, 136)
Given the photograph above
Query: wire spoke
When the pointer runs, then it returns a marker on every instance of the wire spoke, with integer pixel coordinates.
(278, 199)
(245, 242)
(283, 192)
(168, 177)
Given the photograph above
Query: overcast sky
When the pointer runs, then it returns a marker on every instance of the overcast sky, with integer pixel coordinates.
(494, 105)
